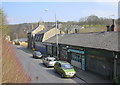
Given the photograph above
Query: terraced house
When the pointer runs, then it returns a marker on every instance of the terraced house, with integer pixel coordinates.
(98, 53)
(31, 34)
(40, 37)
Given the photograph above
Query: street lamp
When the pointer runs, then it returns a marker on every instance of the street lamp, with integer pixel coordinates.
(56, 32)
(56, 35)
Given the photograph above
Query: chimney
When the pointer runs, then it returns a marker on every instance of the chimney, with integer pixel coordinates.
(115, 28)
(108, 27)
(38, 23)
(32, 26)
(111, 28)
(113, 21)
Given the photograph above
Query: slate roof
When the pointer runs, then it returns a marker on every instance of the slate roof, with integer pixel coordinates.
(35, 26)
(21, 39)
(100, 40)
(47, 28)
(38, 37)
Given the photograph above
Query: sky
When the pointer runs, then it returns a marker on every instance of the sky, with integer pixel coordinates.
(33, 11)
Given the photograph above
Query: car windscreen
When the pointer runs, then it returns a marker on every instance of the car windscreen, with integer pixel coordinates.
(51, 59)
(38, 53)
(66, 66)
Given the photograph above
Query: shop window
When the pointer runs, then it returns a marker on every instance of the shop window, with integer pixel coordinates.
(77, 57)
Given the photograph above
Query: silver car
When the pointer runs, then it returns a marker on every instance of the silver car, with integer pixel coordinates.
(49, 61)
(37, 54)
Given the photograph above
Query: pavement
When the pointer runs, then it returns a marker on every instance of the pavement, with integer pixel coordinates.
(90, 77)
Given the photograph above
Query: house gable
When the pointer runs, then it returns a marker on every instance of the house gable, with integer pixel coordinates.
(38, 29)
(51, 33)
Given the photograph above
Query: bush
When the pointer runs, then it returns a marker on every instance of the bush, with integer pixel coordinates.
(117, 80)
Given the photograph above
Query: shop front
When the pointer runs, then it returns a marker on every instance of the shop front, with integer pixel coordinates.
(63, 54)
(77, 58)
(74, 55)
(40, 47)
(49, 48)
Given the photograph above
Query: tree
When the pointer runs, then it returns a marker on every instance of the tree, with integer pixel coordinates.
(95, 20)
(12, 71)
(3, 21)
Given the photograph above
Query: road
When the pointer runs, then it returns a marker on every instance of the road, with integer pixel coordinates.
(37, 71)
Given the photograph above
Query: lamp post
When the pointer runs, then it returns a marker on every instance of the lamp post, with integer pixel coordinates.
(56, 33)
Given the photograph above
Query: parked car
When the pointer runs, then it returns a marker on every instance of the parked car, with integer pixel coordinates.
(64, 69)
(49, 61)
(37, 54)
(17, 43)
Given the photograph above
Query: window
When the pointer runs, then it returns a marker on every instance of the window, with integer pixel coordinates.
(56, 64)
(59, 65)
(76, 57)
(66, 66)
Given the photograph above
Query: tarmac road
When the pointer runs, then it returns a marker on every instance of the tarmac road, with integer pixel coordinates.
(37, 71)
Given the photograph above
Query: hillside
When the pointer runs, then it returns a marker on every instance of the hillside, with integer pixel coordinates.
(12, 71)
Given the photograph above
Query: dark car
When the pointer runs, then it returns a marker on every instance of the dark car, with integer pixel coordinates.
(37, 54)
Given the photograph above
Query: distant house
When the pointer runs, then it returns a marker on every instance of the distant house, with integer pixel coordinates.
(20, 41)
(23, 41)
(95, 52)
(70, 28)
(7, 38)
(31, 34)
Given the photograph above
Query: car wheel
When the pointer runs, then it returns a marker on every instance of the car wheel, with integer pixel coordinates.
(37, 57)
(62, 75)
(74, 76)
(47, 66)
(44, 64)
(55, 71)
